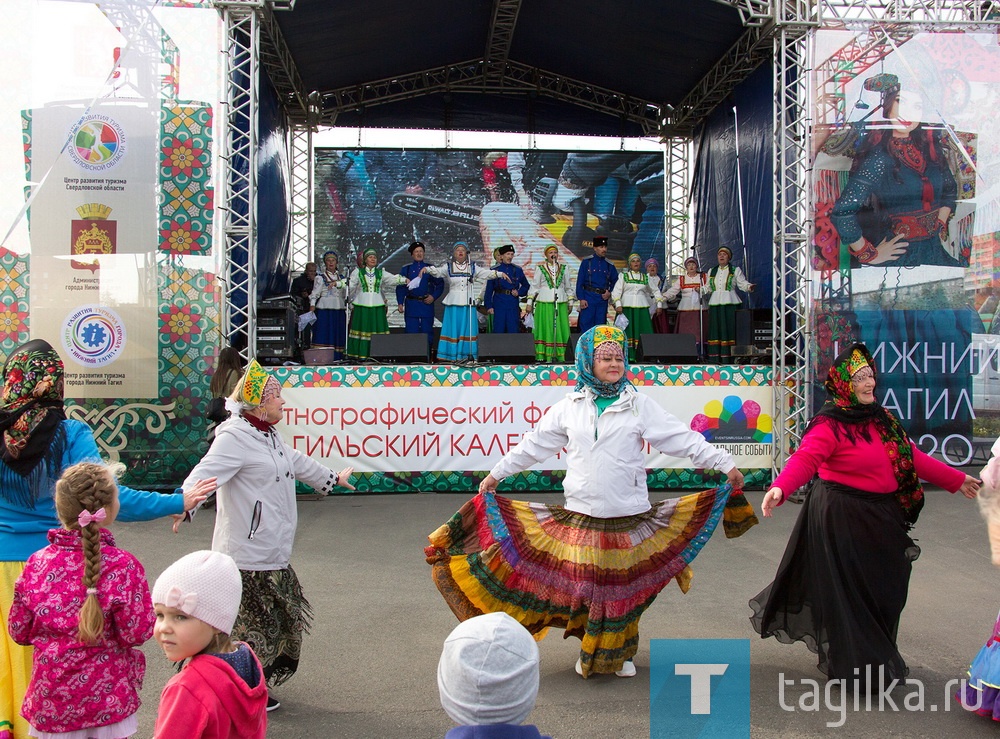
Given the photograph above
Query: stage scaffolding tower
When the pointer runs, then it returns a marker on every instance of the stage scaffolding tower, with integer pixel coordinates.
(779, 32)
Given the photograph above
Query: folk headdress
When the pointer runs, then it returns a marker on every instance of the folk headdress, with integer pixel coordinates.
(597, 342)
(855, 419)
(255, 388)
(31, 415)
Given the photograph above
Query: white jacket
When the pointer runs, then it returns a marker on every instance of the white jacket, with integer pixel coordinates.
(722, 296)
(371, 298)
(635, 290)
(256, 467)
(563, 285)
(605, 463)
(466, 282)
(329, 292)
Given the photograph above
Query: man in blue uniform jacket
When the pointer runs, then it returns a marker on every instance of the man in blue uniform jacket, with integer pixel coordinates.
(417, 306)
(503, 299)
(593, 286)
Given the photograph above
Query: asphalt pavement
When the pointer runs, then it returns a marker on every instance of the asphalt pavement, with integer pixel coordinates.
(368, 668)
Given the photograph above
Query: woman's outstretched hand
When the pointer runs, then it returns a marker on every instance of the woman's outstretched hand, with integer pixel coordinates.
(772, 499)
(489, 484)
(970, 488)
(344, 478)
(735, 478)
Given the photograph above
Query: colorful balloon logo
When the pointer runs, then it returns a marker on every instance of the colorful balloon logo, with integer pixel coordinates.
(733, 420)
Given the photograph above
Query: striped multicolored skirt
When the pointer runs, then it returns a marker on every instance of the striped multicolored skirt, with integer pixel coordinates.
(274, 615)
(366, 320)
(459, 334)
(551, 332)
(594, 577)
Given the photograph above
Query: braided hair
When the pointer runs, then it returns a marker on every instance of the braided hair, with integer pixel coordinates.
(88, 486)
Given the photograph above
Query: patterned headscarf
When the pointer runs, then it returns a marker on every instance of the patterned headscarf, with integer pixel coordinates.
(587, 350)
(634, 256)
(31, 412)
(855, 419)
(650, 261)
(257, 386)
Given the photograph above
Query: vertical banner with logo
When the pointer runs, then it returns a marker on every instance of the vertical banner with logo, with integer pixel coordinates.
(94, 238)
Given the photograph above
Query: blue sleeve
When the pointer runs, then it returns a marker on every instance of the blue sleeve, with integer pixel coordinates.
(579, 281)
(522, 283)
(613, 278)
(136, 505)
(488, 295)
(435, 286)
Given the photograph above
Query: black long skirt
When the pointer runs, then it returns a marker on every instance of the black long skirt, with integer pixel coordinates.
(842, 584)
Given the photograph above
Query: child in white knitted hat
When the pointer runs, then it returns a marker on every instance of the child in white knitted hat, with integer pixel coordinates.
(220, 693)
(488, 678)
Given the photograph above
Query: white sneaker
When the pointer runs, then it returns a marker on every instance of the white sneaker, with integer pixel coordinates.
(579, 667)
(627, 670)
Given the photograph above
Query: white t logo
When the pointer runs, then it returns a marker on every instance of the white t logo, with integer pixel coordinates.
(701, 684)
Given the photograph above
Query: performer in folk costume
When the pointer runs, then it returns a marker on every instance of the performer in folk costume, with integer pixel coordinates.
(660, 323)
(634, 296)
(368, 317)
(594, 284)
(329, 302)
(502, 300)
(690, 313)
(723, 281)
(593, 565)
(548, 300)
(842, 582)
(460, 329)
(982, 692)
(417, 305)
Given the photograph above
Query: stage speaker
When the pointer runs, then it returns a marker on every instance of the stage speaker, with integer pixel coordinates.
(396, 348)
(668, 348)
(754, 327)
(518, 348)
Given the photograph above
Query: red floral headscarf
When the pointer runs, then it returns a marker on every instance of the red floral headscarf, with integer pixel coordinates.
(855, 419)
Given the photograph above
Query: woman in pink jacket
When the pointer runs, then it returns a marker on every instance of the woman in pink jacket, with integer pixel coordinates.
(842, 582)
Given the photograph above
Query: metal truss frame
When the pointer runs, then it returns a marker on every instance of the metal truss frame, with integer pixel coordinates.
(677, 181)
(776, 30)
(301, 150)
(239, 180)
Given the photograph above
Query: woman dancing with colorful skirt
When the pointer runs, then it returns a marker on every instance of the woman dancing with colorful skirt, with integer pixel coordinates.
(593, 565)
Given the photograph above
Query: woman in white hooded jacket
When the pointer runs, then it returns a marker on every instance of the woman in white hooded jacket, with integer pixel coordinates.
(256, 519)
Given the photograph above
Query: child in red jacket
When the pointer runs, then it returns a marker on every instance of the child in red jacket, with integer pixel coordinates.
(220, 693)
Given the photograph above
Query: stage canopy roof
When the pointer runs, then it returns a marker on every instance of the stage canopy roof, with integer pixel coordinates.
(590, 67)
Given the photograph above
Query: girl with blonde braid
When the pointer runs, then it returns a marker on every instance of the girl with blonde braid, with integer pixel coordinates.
(84, 605)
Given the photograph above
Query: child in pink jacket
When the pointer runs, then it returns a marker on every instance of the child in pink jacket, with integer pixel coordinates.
(220, 693)
(84, 605)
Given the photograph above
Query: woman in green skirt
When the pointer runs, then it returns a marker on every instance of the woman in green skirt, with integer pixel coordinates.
(548, 301)
(634, 296)
(365, 291)
(723, 281)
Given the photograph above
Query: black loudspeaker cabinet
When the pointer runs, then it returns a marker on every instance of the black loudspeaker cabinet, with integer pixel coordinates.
(668, 348)
(400, 348)
(276, 331)
(507, 347)
(755, 327)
